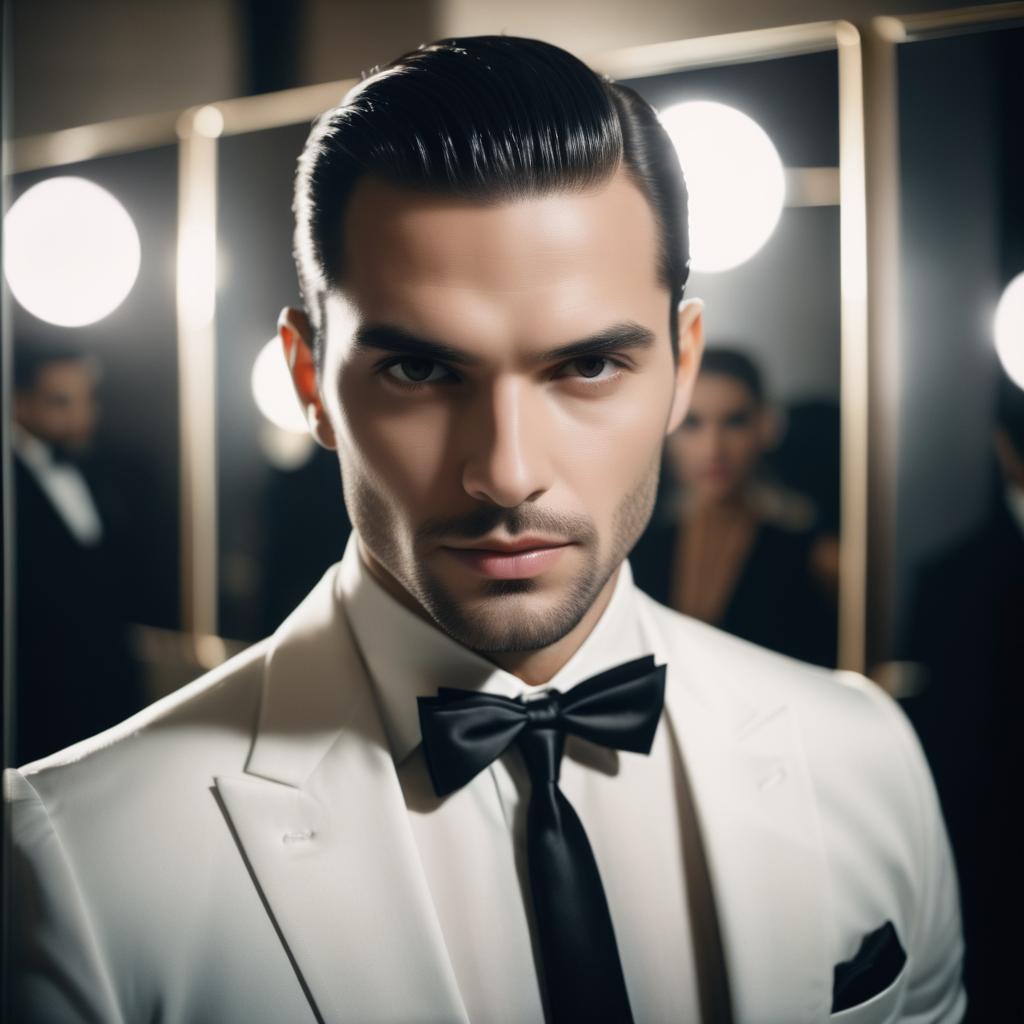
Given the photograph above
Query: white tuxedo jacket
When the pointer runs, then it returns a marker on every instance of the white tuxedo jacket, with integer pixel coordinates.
(241, 852)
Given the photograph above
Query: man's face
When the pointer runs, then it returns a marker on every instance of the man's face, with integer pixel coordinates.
(61, 408)
(716, 449)
(500, 439)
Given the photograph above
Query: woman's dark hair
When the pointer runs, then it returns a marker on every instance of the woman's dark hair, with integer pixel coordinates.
(482, 117)
(730, 362)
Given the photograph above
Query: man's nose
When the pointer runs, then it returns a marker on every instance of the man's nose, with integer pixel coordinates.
(505, 442)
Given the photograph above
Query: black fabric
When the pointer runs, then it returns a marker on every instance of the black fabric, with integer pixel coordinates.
(874, 967)
(74, 675)
(464, 731)
(775, 601)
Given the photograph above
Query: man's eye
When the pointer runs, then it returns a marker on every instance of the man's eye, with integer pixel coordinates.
(591, 367)
(414, 371)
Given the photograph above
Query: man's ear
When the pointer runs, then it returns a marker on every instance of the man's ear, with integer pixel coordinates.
(296, 336)
(691, 347)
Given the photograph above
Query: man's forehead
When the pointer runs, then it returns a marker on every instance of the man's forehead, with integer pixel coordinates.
(535, 271)
(66, 372)
(396, 234)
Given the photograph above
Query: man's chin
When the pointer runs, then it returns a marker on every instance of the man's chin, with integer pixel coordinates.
(509, 615)
(512, 635)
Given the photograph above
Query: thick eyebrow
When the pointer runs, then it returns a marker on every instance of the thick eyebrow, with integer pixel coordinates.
(626, 335)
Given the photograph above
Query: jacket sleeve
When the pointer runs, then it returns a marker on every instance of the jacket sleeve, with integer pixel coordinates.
(935, 992)
(57, 971)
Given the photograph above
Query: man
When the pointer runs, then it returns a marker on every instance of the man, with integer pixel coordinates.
(74, 673)
(402, 805)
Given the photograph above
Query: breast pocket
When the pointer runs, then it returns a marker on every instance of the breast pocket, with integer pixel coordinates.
(869, 986)
(882, 1008)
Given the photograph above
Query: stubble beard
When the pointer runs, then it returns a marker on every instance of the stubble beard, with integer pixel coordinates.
(502, 621)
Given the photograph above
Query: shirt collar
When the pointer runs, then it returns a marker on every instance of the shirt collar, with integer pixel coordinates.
(408, 657)
(34, 451)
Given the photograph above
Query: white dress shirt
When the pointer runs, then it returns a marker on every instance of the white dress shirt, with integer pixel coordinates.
(472, 844)
(63, 484)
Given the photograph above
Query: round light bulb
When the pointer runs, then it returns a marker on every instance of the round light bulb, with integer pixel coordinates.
(1009, 329)
(72, 252)
(734, 178)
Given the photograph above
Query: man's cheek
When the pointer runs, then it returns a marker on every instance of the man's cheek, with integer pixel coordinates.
(408, 471)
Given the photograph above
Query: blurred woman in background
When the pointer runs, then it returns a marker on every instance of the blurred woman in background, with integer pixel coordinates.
(726, 544)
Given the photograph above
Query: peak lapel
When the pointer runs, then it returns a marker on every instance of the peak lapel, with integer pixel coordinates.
(322, 825)
(759, 825)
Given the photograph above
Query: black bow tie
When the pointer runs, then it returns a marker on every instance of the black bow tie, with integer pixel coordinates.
(464, 731)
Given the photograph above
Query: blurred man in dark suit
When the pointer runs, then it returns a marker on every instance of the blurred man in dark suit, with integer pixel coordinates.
(74, 673)
(966, 631)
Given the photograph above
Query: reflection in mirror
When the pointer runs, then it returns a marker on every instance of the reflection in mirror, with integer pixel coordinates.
(745, 533)
(957, 584)
(281, 518)
(94, 443)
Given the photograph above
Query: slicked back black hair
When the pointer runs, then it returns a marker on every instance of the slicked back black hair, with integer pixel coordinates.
(483, 117)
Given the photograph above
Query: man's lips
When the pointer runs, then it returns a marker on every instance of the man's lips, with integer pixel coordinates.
(528, 542)
(521, 562)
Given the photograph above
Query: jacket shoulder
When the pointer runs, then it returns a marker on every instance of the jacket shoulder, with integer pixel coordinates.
(735, 661)
(842, 716)
(224, 700)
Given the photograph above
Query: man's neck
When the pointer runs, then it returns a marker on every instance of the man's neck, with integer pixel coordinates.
(533, 667)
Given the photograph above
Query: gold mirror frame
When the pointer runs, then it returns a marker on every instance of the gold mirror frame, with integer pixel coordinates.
(882, 36)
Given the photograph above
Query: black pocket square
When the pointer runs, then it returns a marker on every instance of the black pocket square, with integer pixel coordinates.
(872, 970)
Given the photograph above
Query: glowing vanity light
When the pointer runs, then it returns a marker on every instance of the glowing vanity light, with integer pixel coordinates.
(273, 390)
(72, 252)
(1009, 329)
(735, 181)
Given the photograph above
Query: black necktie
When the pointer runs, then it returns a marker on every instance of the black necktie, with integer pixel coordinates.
(464, 731)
